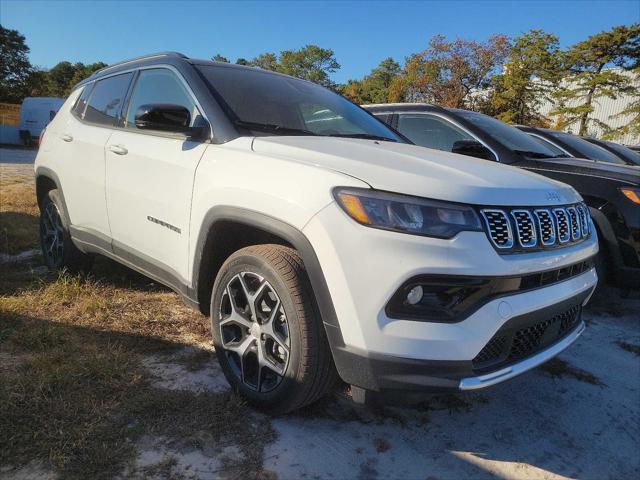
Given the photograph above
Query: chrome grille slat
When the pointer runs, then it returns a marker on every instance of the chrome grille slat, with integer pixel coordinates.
(520, 229)
(583, 212)
(525, 228)
(574, 224)
(562, 225)
(499, 228)
(546, 226)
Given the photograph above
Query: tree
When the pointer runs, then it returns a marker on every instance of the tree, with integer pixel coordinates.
(15, 68)
(449, 73)
(589, 77)
(309, 63)
(266, 61)
(374, 88)
(532, 70)
(219, 58)
(60, 79)
(632, 111)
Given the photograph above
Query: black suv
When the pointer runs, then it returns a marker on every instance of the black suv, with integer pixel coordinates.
(625, 153)
(580, 147)
(612, 190)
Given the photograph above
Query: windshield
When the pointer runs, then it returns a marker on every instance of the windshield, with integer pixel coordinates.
(624, 152)
(257, 100)
(556, 150)
(512, 138)
(586, 149)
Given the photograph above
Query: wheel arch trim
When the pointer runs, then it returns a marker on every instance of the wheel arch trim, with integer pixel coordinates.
(45, 172)
(278, 228)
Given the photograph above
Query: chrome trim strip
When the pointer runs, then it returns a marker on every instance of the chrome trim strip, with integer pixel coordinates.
(492, 378)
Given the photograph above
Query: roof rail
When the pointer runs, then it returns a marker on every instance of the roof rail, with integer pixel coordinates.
(138, 59)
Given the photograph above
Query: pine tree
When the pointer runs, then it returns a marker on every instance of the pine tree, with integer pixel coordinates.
(531, 72)
(590, 76)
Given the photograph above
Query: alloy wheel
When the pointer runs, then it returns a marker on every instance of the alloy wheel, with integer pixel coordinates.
(52, 234)
(254, 331)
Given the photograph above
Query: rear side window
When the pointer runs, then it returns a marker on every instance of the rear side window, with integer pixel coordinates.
(431, 132)
(159, 86)
(81, 103)
(106, 99)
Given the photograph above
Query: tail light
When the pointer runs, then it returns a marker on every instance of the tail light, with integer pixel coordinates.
(41, 137)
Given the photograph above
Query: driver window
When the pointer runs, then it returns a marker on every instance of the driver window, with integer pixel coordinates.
(159, 86)
(431, 132)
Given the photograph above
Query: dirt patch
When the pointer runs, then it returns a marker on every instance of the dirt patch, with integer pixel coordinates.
(558, 368)
(629, 347)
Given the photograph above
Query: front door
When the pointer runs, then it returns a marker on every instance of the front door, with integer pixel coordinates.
(150, 180)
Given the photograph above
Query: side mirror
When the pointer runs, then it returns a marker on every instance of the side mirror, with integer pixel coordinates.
(472, 148)
(167, 118)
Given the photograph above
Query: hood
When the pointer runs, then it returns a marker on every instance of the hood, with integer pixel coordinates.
(420, 171)
(625, 173)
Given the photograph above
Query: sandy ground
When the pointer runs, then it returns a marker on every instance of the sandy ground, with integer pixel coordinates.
(536, 426)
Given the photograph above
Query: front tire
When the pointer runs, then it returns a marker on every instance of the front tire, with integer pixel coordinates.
(267, 331)
(58, 250)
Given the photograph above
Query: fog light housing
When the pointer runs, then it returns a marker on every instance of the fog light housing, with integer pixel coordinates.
(415, 295)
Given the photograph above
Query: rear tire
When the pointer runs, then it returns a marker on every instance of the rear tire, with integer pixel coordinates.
(58, 250)
(267, 331)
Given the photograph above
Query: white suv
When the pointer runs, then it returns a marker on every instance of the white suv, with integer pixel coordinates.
(318, 241)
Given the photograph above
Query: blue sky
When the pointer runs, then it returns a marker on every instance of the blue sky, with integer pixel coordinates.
(360, 33)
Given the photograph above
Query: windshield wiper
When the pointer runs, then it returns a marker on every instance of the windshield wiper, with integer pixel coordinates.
(361, 135)
(532, 154)
(271, 127)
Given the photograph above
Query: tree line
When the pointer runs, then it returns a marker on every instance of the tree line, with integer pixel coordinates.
(507, 78)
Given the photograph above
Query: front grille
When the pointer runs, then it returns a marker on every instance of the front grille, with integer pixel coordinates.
(522, 229)
(510, 345)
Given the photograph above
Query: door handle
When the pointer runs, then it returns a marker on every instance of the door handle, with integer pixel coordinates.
(118, 149)
(66, 137)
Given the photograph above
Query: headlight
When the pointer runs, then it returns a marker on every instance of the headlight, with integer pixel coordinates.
(632, 194)
(402, 213)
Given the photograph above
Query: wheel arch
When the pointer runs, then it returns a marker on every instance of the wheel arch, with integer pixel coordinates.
(47, 180)
(226, 229)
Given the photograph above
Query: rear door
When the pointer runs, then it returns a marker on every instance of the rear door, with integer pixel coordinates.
(150, 179)
(82, 156)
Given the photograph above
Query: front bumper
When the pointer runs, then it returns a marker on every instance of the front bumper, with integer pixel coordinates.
(365, 267)
(391, 375)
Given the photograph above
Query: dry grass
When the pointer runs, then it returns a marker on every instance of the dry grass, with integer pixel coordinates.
(74, 394)
(18, 213)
